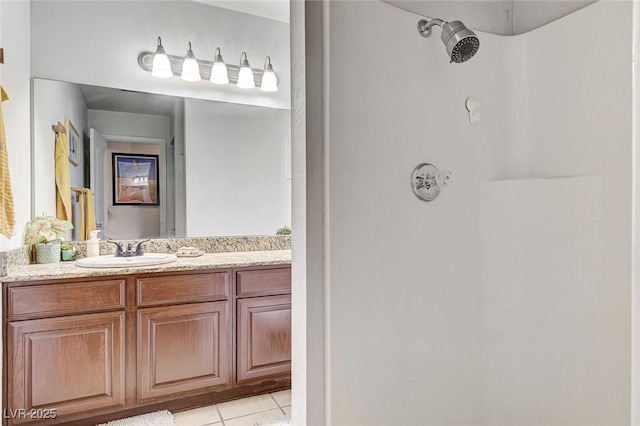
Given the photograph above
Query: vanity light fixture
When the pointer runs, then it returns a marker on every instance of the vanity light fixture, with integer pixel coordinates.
(269, 79)
(219, 72)
(190, 67)
(161, 65)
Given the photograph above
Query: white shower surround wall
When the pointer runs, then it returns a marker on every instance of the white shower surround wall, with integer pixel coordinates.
(507, 300)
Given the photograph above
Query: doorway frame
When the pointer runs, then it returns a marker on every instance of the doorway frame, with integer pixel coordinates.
(309, 242)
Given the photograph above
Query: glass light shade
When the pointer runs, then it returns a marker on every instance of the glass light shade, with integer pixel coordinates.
(219, 74)
(269, 80)
(161, 67)
(190, 70)
(245, 78)
(245, 75)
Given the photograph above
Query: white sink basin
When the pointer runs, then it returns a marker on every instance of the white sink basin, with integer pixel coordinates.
(110, 261)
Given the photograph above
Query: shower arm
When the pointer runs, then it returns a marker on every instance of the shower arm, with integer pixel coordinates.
(424, 26)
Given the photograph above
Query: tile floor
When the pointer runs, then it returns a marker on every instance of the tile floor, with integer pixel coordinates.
(241, 412)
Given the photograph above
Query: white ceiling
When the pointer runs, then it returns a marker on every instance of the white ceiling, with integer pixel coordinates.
(109, 99)
(273, 9)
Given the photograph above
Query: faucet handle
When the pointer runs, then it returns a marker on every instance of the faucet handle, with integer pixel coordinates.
(140, 248)
(119, 248)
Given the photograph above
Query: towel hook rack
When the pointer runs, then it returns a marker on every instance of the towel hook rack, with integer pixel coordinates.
(78, 191)
(58, 128)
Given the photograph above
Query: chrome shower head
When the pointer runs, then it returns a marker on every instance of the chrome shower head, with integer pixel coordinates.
(461, 43)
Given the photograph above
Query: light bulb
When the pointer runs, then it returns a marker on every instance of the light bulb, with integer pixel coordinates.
(219, 73)
(269, 79)
(245, 75)
(190, 68)
(161, 66)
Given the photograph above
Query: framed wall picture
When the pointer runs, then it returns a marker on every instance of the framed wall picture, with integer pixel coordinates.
(135, 180)
(73, 137)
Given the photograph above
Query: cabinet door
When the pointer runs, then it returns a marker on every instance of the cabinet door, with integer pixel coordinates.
(264, 337)
(183, 348)
(73, 363)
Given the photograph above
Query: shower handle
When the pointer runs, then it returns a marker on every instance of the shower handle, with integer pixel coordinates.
(427, 181)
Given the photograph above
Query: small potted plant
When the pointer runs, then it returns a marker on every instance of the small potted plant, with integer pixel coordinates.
(46, 232)
(285, 230)
(67, 251)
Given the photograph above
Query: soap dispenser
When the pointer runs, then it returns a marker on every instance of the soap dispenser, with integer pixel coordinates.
(93, 244)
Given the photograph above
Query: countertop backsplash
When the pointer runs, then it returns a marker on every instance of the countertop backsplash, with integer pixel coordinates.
(23, 256)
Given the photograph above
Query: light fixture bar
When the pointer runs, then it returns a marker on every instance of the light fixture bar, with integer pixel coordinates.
(145, 60)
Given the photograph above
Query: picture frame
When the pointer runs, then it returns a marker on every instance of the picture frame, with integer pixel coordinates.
(73, 138)
(135, 179)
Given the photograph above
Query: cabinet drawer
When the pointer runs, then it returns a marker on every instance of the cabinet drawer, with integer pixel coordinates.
(64, 298)
(182, 288)
(264, 281)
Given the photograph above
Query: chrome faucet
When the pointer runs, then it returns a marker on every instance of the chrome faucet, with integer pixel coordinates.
(129, 251)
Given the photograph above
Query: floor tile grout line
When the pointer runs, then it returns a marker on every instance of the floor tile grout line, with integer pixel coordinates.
(220, 414)
(251, 414)
(275, 400)
(277, 403)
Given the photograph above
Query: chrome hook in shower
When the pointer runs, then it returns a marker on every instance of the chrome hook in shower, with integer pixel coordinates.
(427, 181)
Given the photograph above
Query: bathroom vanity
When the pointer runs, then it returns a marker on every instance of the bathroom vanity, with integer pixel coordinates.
(96, 345)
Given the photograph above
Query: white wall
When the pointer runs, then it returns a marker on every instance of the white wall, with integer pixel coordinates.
(102, 46)
(505, 301)
(564, 227)
(403, 293)
(54, 101)
(635, 293)
(133, 221)
(235, 169)
(16, 40)
(531, 14)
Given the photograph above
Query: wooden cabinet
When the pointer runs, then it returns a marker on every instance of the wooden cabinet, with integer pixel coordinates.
(264, 337)
(263, 323)
(183, 348)
(73, 363)
(184, 344)
(113, 347)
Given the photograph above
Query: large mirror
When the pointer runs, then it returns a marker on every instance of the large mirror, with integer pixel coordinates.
(223, 168)
(222, 151)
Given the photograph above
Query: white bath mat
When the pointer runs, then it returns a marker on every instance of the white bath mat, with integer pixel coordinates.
(277, 421)
(157, 418)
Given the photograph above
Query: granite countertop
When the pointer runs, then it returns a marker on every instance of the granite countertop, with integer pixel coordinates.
(206, 261)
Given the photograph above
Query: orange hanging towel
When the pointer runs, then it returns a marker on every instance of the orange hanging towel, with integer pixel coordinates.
(7, 213)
